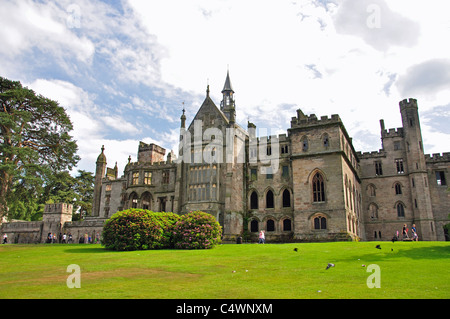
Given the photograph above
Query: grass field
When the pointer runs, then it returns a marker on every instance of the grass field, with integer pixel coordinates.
(250, 271)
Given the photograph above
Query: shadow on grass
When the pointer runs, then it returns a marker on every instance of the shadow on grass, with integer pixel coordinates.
(392, 251)
(87, 249)
(93, 249)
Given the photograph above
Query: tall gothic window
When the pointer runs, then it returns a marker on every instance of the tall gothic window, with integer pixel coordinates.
(378, 168)
(135, 179)
(269, 199)
(147, 178)
(254, 226)
(400, 210)
(373, 211)
(286, 198)
(398, 189)
(134, 200)
(254, 201)
(318, 188)
(270, 225)
(146, 201)
(287, 225)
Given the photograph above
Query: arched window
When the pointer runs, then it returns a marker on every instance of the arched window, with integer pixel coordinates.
(398, 189)
(270, 225)
(373, 211)
(133, 200)
(371, 190)
(287, 225)
(400, 210)
(146, 201)
(286, 198)
(318, 188)
(254, 226)
(320, 222)
(254, 200)
(269, 199)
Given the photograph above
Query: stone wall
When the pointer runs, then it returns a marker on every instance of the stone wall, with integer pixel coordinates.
(57, 219)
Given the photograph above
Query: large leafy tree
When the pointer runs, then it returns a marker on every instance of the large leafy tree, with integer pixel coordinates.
(26, 202)
(34, 140)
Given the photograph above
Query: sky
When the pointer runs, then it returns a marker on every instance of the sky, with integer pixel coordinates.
(124, 70)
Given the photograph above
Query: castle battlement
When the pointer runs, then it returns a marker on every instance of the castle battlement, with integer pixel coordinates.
(136, 165)
(373, 154)
(392, 132)
(268, 139)
(408, 103)
(60, 208)
(437, 157)
(303, 120)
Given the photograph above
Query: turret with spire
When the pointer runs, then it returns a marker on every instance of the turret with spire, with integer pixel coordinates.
(99, 175)
(227, 106)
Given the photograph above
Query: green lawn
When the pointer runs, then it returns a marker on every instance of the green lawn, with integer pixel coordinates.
(411, 270)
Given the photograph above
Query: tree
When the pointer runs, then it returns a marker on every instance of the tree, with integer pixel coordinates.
(64, 188)
(27, 202)
(84, 188)
(34, 139)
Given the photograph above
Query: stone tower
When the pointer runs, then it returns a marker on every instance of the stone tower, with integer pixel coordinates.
(416, 166)
(99, 175)
(54, 218)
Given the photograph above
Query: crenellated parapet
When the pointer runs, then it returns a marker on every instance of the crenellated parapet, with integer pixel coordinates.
(392, 132)
(302, 120)
(408, 103)
(369, 155)
(437, 157)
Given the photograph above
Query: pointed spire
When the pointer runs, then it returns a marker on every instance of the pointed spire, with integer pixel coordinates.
(101, 158)
(183, 118)
(207, 90)
(227, 86)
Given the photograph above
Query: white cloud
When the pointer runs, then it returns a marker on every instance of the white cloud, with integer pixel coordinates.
(319, 56)
(26, 25)
(376, 24)
(426, 78)
(273, 47)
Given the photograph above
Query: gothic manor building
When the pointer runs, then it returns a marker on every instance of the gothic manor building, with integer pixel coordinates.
(313, 185)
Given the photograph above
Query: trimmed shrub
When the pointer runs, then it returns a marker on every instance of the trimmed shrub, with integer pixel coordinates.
(197, 230)
(137, 229)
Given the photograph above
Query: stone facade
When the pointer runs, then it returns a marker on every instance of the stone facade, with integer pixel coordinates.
(307, 185)
(401, 185)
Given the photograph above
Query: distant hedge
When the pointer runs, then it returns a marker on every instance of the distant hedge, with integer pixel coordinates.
(137, 229)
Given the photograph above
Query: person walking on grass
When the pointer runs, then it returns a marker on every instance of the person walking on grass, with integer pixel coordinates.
(262, 237)
(404, 232)
(414, 233)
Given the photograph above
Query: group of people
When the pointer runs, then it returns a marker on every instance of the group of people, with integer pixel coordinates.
(68, 239)
(63, 238)
(87, 239)
(405, 235)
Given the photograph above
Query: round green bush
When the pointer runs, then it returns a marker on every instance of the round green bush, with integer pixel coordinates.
(137, 229)
(197, 230)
